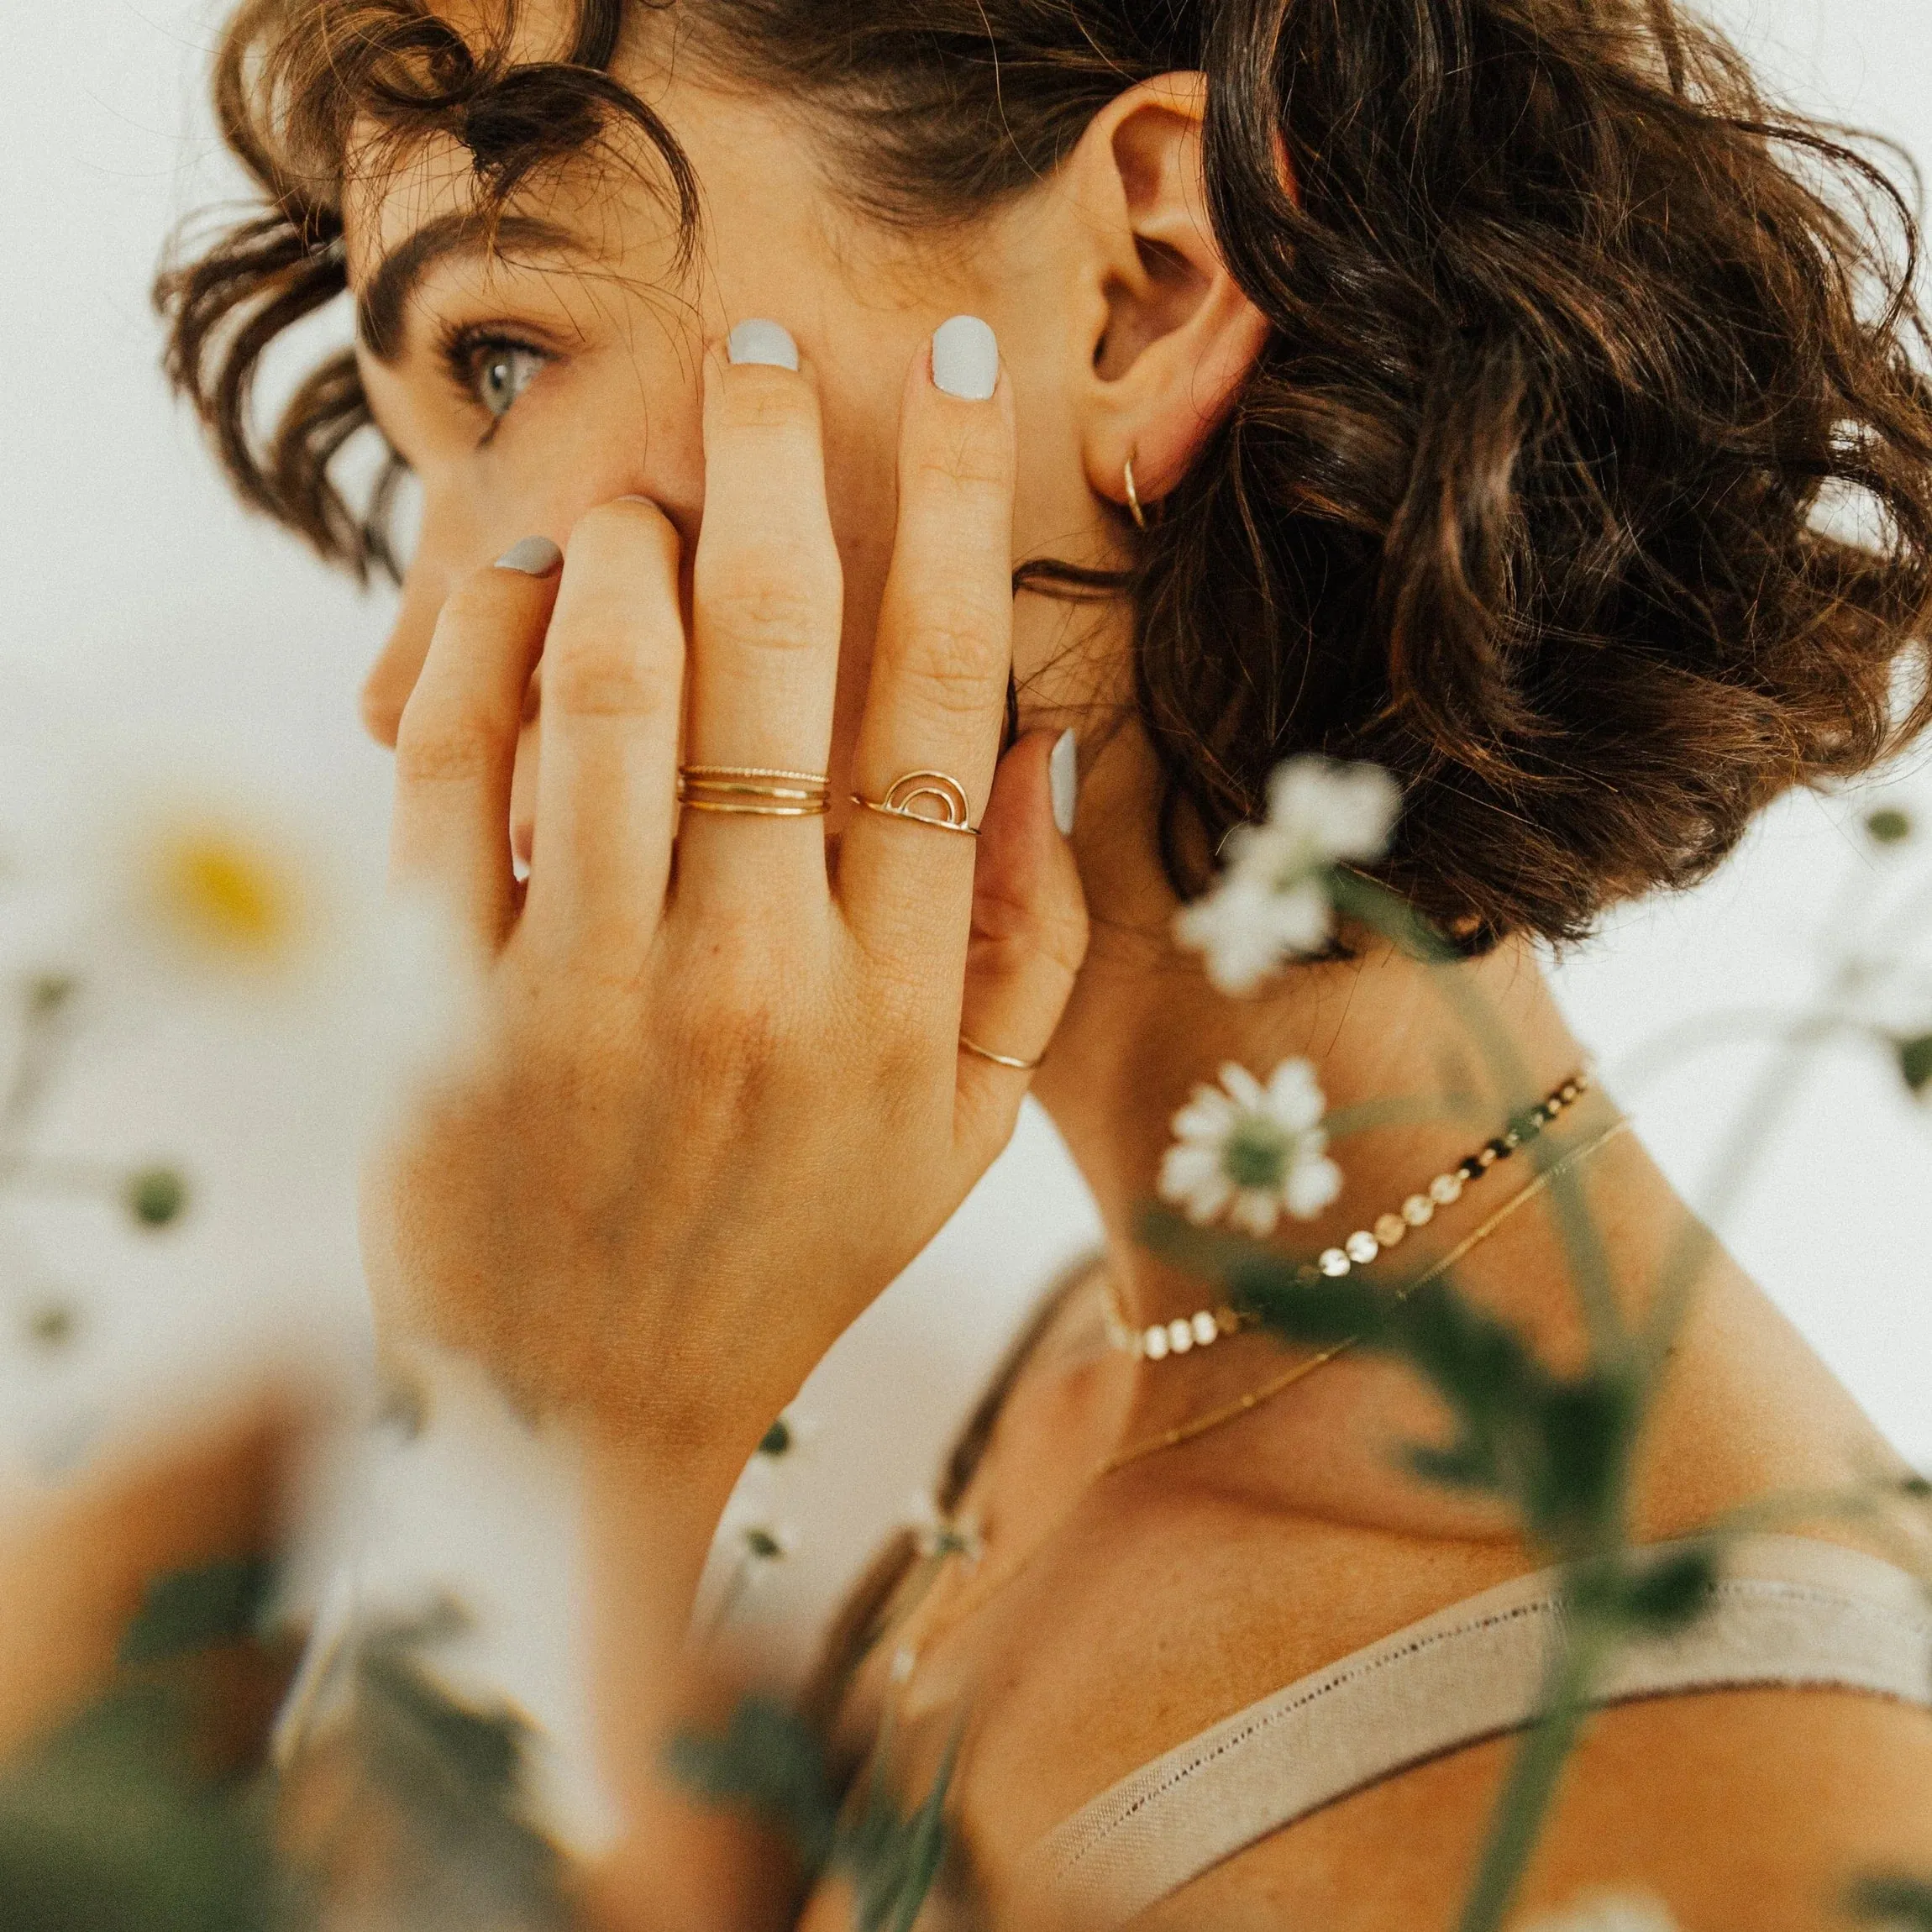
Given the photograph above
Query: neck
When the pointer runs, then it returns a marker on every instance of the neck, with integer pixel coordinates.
(1382, 1031)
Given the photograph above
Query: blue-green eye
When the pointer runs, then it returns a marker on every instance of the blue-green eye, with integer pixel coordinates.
(492, 369)
(501, 372)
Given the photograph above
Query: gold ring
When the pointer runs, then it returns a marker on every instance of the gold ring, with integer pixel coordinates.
(999, 1060)
(754, 791)
(954, 814)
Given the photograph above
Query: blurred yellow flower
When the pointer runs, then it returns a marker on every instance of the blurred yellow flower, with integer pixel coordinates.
(225, 894)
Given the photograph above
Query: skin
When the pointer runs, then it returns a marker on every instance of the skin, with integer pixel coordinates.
(815, 578)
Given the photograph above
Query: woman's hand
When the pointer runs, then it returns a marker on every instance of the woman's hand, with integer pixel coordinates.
(721, 1100)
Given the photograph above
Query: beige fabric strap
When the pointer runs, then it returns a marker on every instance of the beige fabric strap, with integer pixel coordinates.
(1789, 1611)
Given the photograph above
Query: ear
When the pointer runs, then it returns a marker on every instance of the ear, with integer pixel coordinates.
(1179, 337)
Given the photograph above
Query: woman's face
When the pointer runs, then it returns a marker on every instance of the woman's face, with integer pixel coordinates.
(562, 370)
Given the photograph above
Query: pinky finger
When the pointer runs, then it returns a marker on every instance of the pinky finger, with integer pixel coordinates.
(1029, 940)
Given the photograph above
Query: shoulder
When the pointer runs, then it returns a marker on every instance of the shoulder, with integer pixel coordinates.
(1755, 1809)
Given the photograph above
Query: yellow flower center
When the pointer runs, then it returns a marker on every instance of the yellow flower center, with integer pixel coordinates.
(224, 897)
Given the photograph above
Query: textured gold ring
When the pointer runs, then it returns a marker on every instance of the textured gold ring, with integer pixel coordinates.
(999, 1060)
(905, 794)
(754, 791)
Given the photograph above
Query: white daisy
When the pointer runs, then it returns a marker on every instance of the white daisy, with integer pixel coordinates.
(1273, 901)
(1248, 1151)
(1611, 1912)
(938, 1534)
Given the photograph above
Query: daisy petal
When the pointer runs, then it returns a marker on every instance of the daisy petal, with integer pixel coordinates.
(1309, 1187)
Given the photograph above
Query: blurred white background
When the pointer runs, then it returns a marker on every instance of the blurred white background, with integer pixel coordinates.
(138, 586)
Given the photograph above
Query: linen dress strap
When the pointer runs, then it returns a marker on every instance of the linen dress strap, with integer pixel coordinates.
(1788, 1611)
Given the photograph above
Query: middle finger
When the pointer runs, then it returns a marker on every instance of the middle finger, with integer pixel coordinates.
(768, 603)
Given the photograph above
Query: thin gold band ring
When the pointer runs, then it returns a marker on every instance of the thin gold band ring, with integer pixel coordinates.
(754, 791)
(813, 780)
(954, 814)
(746, 809)
(999, 1060)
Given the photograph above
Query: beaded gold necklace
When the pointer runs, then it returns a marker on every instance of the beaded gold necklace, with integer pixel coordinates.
(1187, 1333)
(1254, 1397)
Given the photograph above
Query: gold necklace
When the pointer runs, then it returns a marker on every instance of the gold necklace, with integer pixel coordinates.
(1200, 1425)
(1159, 1339)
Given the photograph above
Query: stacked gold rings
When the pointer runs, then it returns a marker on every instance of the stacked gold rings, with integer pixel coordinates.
(947, 794)
(752, 791)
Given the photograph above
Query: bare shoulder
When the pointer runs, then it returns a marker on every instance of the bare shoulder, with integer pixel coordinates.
(1742, 1811)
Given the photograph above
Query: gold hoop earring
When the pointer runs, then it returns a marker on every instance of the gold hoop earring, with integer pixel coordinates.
(1139, 514)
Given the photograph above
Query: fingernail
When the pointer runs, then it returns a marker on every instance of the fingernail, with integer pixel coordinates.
(1063, 781)
(764, 343)
(966, 358)
(535, 557)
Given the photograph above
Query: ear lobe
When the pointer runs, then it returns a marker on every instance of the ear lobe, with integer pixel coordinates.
(1181, 336)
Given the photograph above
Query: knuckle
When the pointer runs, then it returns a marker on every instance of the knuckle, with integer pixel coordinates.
(779, 597)
(602, 678)
(977, 468)
(484, 598)
(949, 667)
(433, 747)
(733, 1035)
(761, 398)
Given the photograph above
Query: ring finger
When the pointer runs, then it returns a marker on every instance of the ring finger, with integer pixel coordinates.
(930, 740)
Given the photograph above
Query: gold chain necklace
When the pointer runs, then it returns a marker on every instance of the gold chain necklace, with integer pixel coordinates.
(1200, 1425)
(958, 1537)
(1159, 1339)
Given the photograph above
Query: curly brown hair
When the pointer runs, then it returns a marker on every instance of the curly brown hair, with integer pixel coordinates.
(1578, 351)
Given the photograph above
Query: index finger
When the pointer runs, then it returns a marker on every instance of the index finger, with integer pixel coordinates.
(936, 703)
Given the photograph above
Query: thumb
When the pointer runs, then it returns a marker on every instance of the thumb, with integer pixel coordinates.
(1029, 939)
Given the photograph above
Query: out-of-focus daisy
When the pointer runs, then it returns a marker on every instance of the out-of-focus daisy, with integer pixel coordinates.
(1248, 1151)
(789, 1437)
(752, 1545)
(939, 1535)
(197, 887)
(1611, 1912)
(1273, 900)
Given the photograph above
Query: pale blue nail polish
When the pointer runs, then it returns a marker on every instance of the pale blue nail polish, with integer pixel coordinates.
(535, 557)
(966, 358)
(764, 342)
(1063, 781)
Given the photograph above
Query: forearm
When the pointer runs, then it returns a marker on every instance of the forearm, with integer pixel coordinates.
(680, 1862)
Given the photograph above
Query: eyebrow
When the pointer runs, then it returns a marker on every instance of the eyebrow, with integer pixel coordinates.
(382, 306)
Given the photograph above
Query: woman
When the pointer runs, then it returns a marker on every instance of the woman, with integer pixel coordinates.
(1457, 387)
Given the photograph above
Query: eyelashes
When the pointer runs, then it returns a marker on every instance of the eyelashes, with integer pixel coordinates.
(489, 368)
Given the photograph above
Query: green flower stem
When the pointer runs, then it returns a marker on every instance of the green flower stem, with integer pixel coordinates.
(1360, 897)
(24, 1175)
(1534, 1771)
(33, 1067)
(1744, 1147)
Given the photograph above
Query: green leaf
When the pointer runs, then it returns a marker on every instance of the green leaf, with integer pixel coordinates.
(1915, 1062)
(110, 1826)
(1672, 1593)
(893, 1862)
(1588, 1430)
(220, 1603)
(157, 1197)
(1888, 825)
(770, 1761)
(49, 993)
(1894, 1900)
(450, 1778)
